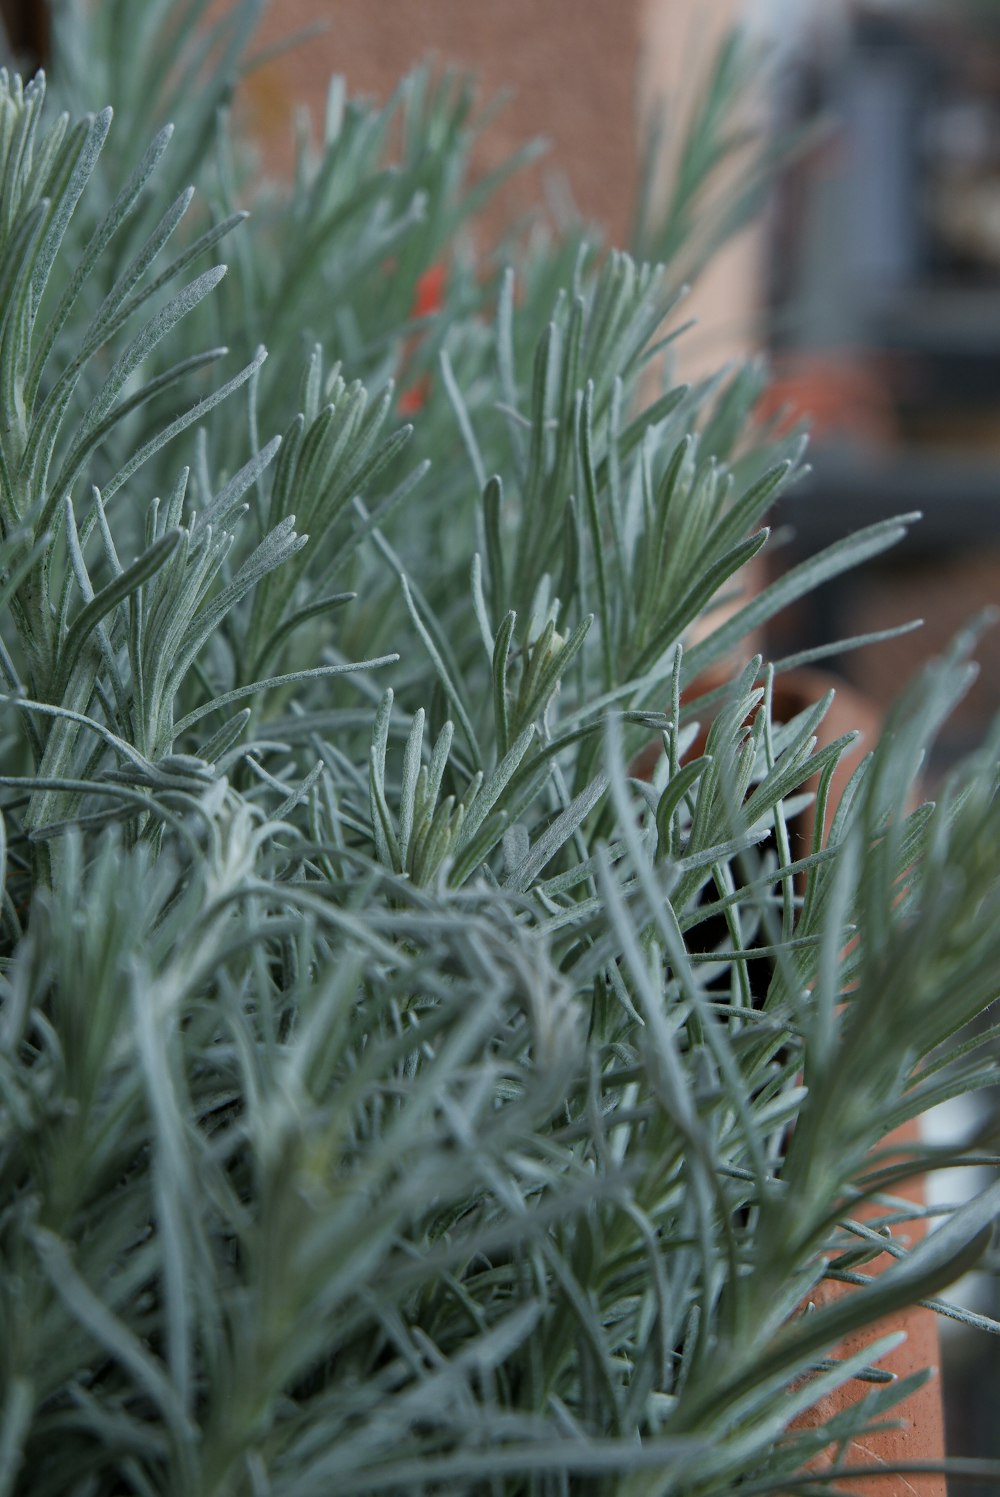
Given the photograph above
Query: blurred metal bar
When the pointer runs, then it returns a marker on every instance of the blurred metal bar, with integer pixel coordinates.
(959, 498)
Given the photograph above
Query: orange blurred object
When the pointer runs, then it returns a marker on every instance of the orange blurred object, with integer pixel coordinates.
(835, 395)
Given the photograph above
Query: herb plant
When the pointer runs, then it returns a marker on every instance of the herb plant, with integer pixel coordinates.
(390, 1097)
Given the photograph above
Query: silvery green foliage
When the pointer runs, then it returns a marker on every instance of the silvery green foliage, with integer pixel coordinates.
(390, 1097)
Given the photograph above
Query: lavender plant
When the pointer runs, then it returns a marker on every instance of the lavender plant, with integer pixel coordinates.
(389, 1100)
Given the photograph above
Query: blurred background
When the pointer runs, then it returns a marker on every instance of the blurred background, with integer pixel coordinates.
(871, 283)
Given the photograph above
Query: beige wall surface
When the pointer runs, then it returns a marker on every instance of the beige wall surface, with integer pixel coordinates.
(678, 38)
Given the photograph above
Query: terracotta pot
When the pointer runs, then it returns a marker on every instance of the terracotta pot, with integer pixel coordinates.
(922, 1434)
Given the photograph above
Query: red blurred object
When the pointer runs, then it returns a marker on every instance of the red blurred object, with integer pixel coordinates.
(428, 299)
(413, 399)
